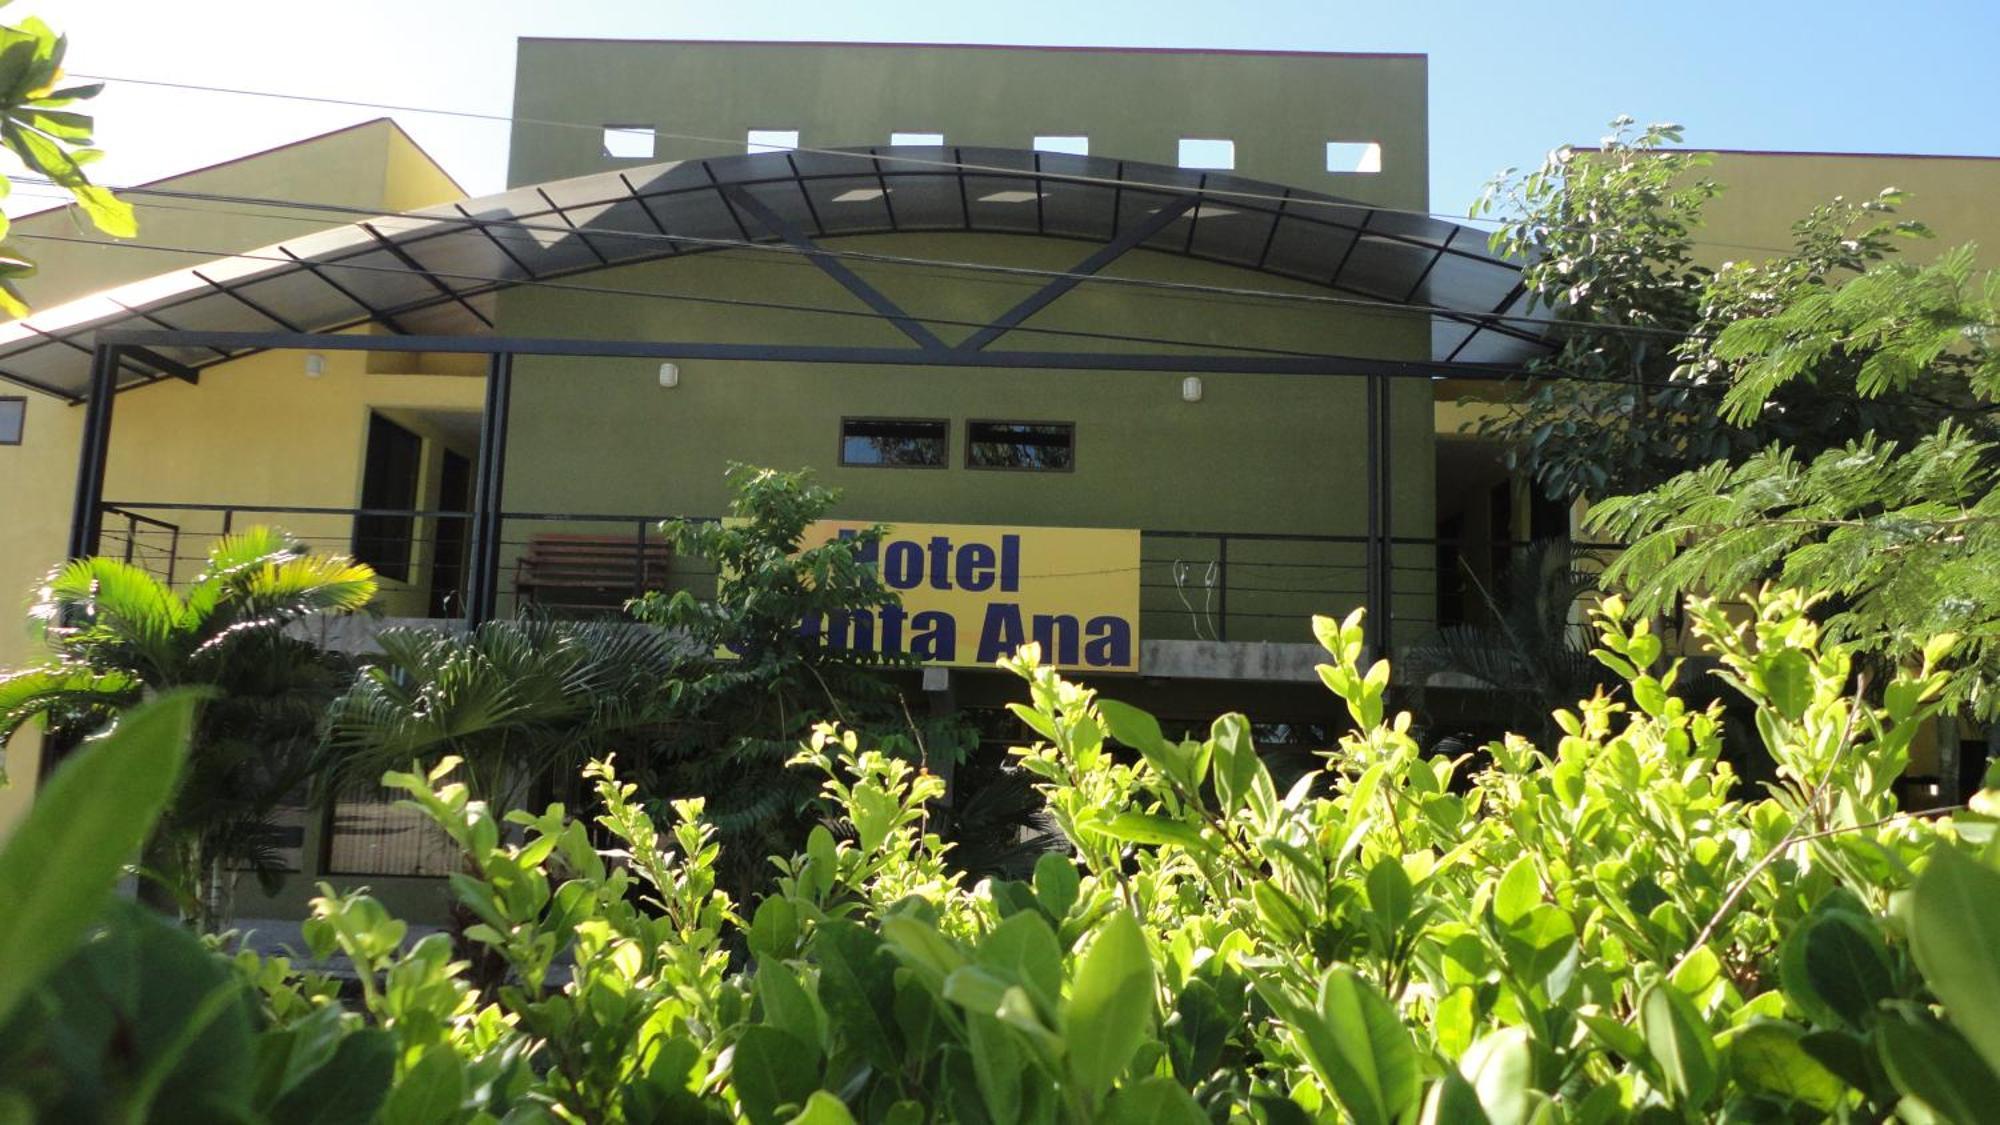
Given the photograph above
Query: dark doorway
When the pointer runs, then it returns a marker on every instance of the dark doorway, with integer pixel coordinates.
(388, 482)
(448, 569)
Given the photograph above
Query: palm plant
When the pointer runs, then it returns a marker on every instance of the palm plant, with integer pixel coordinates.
(1532, 653)
(516, 700)
(116, 633)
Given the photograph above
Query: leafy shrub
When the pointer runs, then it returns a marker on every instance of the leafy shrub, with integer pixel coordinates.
(1601, 931)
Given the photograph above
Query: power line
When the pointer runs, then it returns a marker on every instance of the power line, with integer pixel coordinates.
(602, 290)
(1368, 306)
(729, 146)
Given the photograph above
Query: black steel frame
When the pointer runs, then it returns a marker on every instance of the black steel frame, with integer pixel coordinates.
(114, 345)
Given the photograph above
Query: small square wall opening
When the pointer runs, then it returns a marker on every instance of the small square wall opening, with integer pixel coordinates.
(1353, 156)
(1074, 146)
(928, 140)
(771, 140)
(1207, 152)
(628, 142)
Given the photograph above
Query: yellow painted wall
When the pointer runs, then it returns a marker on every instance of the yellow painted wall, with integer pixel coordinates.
(373, 167)
(1765, 193)
(295, 438)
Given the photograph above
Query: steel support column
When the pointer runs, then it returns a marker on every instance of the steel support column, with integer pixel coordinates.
(483, 580)
(1378, 568)
(87, 513)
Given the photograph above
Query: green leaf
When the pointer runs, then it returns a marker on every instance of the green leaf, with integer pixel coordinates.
(87, 823)
(1197, 1032)
(1680, 1045)
(1501, 1068)
(857, 988)
(1110, 1004)
(1519, 891)
(1930, 1063)
(1355, 1043)
(1788, 681)
(1389, 892)
(1154, 1100)
(1151, 828)
(1056, 884)
(347, 1088)
(1452, 1101)
(1835, 964)
(1024, 948)
(431, 1091)
(1955, 933)
(788, 1007)
(767, 1074)
(1766, 1056)
(823, 1109)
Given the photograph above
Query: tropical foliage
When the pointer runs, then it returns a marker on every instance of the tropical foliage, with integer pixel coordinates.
(38, 125)
(116, 633)
(1601, 930)
(761, 670)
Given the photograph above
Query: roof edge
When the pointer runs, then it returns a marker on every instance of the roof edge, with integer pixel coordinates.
(1084, 48)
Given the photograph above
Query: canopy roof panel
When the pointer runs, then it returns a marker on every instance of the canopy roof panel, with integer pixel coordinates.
(435, 271)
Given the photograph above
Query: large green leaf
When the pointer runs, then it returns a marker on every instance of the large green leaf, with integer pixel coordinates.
(1680, 1045)
(1769, 1058)
(1153, 1101)
(768, 1071)
(1932, 1064)
(1356, 1044)
(1110, 1004)
(87, 823)
(1955, 934)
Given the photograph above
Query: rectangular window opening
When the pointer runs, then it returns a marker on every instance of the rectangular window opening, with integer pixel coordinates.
(1207, 152)
(628, 142)
(771, 140)
(388, 487)
(13, 419)
(909, 443)
(1074, 146)
(1048, 447)
(931, 140)
(1354, 156)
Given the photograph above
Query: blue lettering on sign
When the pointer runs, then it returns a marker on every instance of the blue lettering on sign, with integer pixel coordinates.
(937, 562)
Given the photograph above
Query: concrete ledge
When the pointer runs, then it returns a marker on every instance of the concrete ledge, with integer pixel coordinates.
(1266, 661)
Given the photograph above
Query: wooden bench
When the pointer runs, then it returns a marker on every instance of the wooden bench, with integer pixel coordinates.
(589, 571)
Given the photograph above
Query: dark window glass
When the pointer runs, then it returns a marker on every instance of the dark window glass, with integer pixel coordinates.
(13, 413)
(893, 442)
(1043, 446)
(388, 480)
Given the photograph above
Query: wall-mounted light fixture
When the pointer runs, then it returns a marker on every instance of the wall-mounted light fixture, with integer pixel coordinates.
(670, 375)
(315, 365)
(1191, 389)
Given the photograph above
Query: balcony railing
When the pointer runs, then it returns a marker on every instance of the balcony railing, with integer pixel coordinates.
(1193, 585)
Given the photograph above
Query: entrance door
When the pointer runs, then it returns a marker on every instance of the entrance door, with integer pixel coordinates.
(454, 545)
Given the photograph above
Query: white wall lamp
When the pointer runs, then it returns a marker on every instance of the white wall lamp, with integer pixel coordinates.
(1191, 389)
(670, 375)
(315, 365)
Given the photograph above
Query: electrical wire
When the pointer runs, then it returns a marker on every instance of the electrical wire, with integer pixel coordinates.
(729, 146)
(1367, 306)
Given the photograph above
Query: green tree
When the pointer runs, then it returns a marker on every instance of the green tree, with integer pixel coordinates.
(116, 634)
(38, 126)
(1634, 390)
(1900, 536)
(763, 669)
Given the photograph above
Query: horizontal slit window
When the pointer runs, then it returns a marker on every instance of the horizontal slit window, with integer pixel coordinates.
(13, 418)
(628, 142)
(911, 443)
(931, 140)
(1353, 156)
(1074, 146)
(1205, 152)
(772, 140)
(1030, 446)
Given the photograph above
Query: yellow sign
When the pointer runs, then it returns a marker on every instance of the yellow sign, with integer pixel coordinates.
(972, 594)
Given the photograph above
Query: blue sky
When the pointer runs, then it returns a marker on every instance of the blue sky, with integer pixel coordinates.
(1508, 81)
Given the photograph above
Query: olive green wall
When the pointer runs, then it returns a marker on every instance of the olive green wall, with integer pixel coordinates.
(1258, 453)
(1280, 108)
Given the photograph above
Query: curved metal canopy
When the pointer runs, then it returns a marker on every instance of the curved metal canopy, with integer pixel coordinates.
(433, 272)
